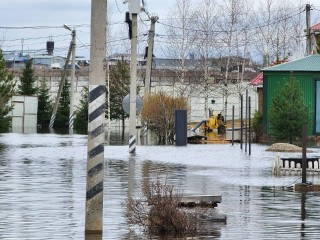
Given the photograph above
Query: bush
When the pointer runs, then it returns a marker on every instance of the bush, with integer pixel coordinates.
(257, 126)
(159, 113)
(159, 213)
(5, 121)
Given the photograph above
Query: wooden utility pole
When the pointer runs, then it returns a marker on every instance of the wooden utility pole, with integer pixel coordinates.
(56, 105)
(147, 84)
(71, 114)
(308, 43)
(96, 119)
(249, 126)
(241, 120)
(246, 124)
(304, 154)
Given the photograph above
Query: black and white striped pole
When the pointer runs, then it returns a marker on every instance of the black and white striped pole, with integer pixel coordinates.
(71, 114)
(133, 86)
(96, 121)
(134, 9)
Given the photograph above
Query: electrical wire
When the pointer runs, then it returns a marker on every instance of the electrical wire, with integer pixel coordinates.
(237, 30)
(35, 38)
(164, 39)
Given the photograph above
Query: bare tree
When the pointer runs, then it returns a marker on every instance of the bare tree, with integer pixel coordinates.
(243, 45)
(229, 23)
(181, 40)
(298, 27)
(206, 18)
(276, 31)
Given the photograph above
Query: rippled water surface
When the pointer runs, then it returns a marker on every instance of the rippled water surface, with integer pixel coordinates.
(43, 179)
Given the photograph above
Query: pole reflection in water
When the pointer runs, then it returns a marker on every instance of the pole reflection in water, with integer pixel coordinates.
(93, 237)
(131, 182)
(303, 214)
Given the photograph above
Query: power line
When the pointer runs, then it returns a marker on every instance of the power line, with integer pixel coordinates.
(237, 30)
(41, 27)
(35, 38)
(54, 27)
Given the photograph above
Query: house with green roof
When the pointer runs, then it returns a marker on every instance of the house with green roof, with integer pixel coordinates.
(307, 72)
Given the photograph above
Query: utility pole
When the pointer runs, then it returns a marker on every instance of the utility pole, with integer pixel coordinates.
(304, 155)
(96, 120)
(147, 84)
(108, 80)
(73, 69)
(134, 9)
(71, 117)
(308, 43)
(55, 108)
(108, 97)
(22, 41)
(133, 85)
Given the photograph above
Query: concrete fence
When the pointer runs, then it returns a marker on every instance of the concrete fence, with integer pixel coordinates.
(293, 166)
(216, 99)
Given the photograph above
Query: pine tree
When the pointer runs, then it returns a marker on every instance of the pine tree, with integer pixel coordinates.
(45, 106)
(288, 113)
(81, 114)
(62, 117)
(6, 91)
(27, 81)
(119, 88)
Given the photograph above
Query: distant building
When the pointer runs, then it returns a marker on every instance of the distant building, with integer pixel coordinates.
(15, 59)
(315, 38)
(48, 61)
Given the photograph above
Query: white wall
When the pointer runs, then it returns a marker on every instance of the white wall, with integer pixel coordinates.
(24, 114)
(196, 99)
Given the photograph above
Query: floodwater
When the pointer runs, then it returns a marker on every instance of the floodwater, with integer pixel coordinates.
(43, 180)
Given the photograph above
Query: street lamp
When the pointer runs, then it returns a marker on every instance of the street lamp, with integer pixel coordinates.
(71, 117)
(67, 27)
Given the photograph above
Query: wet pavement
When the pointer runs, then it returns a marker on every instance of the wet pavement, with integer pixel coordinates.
(43, 179)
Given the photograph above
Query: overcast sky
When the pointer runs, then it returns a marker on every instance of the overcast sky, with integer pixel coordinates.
(29, 24)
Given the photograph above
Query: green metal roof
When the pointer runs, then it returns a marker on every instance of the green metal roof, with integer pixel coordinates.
(310, 63)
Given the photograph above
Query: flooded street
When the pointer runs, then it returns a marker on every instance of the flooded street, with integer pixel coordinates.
(43, 185)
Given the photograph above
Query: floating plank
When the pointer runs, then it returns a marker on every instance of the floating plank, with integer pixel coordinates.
(302, 187)
(217, 141)
(200, 201)
(202, 198)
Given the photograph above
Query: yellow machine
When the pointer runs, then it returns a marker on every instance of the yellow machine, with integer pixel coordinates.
(213, 123)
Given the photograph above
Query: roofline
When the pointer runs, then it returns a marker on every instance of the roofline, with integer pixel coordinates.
(292, 71)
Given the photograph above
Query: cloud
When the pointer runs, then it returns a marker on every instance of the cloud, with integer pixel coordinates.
(39, 12)
(55, 13)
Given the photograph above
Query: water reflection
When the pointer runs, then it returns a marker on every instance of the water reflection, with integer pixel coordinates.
(93, 236)
(42, 186)
(303, 214)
